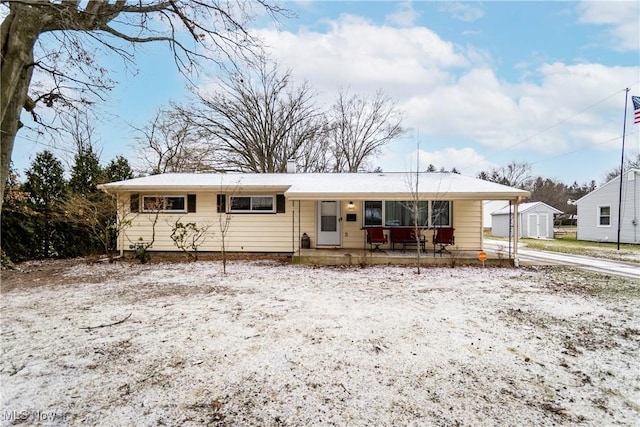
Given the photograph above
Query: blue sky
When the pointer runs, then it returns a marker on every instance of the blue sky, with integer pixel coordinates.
(481, 84)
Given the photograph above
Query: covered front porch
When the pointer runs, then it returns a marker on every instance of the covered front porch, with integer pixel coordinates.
(361, 257)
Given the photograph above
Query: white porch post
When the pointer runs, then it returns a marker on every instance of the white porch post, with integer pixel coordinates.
(516, 232)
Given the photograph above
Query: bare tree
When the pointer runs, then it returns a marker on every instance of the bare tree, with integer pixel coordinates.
(360, 127)
(56, 42)
(86, 172)
(629, 163)
(418, 210)
(316, 155)
(169, 143)
(189, 237)
(101, 217)
(515, 174)
(258, 119)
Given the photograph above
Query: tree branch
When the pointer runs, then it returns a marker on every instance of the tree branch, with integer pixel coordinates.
(107, 324)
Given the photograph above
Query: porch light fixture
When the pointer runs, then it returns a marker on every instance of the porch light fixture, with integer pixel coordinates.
(351, 206)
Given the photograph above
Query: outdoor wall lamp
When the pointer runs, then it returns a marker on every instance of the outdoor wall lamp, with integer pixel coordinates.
(351, 206)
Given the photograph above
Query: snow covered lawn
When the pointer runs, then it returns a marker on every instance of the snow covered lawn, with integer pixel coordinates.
(276, 344)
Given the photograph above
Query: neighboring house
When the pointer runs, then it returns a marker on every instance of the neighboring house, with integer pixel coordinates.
(489, 207)
(535, 219)
(598, 211)
(271, 212)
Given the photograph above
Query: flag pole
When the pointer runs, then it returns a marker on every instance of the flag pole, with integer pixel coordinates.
(624, 132)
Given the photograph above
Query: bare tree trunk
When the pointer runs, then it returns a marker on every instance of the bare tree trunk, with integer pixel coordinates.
(18, 39)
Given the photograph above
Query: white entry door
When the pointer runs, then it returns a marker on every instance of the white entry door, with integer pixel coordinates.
(329, 223)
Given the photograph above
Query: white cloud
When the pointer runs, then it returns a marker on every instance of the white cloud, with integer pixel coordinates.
(405, 16)
(467, 160)
(356, 53)
(621, 18)
(467, 12)
(454, 95)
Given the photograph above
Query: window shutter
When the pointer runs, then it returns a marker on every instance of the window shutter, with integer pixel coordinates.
(134, 203)
(222, 203)
(280, 203)
(191, 202)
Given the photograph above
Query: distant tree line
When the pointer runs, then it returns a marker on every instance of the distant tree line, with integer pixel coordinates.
(548, 190)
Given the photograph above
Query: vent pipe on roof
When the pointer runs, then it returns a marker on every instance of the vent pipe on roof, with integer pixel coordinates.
(291, 166)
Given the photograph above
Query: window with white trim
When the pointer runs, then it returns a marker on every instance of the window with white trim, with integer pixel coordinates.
(262, 204)
(604, 216)
(164, 204)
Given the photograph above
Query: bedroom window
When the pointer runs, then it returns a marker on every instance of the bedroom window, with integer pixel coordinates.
(252, 204)
(604, 216)
(164, 204)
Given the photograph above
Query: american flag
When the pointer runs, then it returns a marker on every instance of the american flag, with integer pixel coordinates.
(636, 109)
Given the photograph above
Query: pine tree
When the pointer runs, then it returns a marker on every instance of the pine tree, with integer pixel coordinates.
(86, 173)
(47, 189)
(118, 169)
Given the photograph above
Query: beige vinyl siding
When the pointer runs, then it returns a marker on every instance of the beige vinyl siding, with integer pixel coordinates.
(353, 236)
(141, 229)
(306, 218)
(271, 232)
(247, 232)
(467, 220)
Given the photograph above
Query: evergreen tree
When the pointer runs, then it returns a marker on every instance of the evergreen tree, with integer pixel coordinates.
(86, 173)
(46, 187)
(118, 169)
(17, 222)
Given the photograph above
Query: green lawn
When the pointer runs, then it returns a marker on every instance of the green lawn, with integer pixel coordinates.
(567, 243)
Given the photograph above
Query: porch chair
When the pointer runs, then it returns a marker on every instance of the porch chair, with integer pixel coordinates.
(376, 236)
(443, 237)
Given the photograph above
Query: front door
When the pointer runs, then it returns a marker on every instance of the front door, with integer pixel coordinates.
(329, 223)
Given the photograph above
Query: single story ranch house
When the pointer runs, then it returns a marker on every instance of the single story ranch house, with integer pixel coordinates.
(284, 212)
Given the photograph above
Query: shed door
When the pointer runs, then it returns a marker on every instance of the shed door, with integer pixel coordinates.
(329, 223)
(538, 226)
(532, 225)
(543, 226)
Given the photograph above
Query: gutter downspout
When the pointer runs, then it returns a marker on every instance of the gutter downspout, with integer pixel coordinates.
(516, 233)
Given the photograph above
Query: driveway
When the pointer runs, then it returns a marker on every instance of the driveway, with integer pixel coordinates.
(537, 257)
